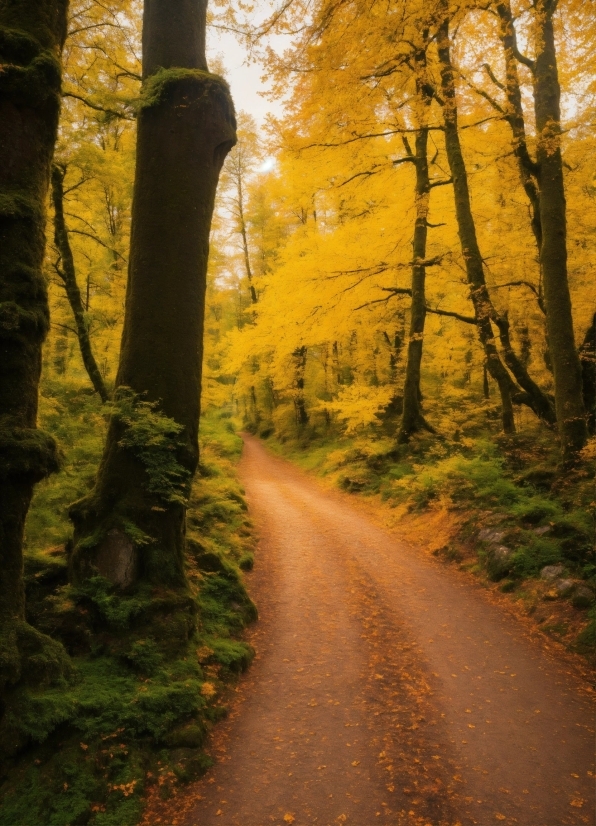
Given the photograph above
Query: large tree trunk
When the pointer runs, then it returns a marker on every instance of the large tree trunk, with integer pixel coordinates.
(467, 232)
(31, 39)
(587, 354)
(571, 414)
(186, 126)
(32, 34)
(68, 275)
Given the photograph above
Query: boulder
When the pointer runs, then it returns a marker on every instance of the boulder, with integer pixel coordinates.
(583, 597)
(551, 572)
(565, 587)
(499, 562)
(492, 536)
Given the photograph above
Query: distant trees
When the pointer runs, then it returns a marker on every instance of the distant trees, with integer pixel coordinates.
(361, 84)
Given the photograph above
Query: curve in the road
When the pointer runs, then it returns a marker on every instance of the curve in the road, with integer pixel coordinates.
(386, 688)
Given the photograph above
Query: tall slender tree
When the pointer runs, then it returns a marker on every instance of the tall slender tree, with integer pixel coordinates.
(467, 228)
(67, 272)
(131, 527)
(571, 414)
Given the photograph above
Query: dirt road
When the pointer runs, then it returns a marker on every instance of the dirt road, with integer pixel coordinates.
(387, 688)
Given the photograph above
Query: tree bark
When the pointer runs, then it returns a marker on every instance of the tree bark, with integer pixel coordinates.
(299, 359)
(68, 275)
(571, 414)
(587, 355)
(467, 231)
(412, 419)
(186, 126)
(244, 236)
(515, 117)
(31, 38)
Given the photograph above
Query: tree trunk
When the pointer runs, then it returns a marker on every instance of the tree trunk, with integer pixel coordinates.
(299, 358)
(587, 356)
(31, 39)
(571, 414)
(467, 232)
(537, 399)
(67, 273)
(412, 419)
(515, 118)
(244, 235)
(186, 126)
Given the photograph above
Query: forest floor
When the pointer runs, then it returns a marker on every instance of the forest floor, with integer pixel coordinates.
(388, 686)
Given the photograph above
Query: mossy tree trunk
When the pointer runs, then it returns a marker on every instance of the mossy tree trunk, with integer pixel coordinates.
(131, 528)
(571, 414)
(67, 272)
(32, 34)
(412, 420)
(31, 39)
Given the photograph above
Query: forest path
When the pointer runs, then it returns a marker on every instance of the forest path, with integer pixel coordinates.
(386, 688)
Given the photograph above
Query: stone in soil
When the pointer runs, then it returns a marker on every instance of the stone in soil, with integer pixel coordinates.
(491, 536)
(583, 597)
(550, 572)
(499, 562)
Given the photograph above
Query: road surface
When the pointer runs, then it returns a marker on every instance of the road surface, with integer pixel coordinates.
(387, 688)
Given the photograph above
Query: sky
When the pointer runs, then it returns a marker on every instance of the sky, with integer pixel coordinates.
(244, 77)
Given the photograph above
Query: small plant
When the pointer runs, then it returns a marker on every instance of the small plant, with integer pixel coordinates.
(154, 440)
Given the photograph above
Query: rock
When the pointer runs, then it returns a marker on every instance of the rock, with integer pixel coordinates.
(210, 562)
(550, 572)
(565, 587)
(541, 531)
(499, 562)
(583, 597)
(491, 536)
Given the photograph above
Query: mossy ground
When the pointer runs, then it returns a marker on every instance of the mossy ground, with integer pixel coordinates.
(444, 490)
(145, 690)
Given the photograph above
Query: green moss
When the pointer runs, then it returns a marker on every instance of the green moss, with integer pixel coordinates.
(155, 440)
(147, 686)
(30, 657)
(28, 452)
(156, 87)
(19, 205)
(35, 84)
(17, 46)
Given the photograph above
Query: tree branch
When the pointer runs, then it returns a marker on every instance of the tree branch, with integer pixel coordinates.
(95, 106)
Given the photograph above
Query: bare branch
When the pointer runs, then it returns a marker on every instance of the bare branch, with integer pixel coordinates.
(95, 106)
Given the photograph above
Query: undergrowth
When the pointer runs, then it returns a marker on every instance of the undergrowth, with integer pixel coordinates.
(141, 702)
